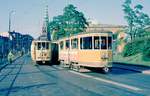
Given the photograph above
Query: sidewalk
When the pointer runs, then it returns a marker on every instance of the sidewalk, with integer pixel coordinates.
(131, 67)
(4, 62)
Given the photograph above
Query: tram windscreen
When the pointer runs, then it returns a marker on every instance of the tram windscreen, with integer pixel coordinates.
(39, 45)
(47, 45)
(43, 45)
(86, 43)
(103, 42)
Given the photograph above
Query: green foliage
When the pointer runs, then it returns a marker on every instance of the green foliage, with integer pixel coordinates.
(115, 35)
(71, 22)
(136, 19)
(146, 49)
(137, 46)
(133, 48)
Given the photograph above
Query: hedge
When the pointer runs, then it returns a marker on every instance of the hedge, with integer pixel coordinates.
(137, 46)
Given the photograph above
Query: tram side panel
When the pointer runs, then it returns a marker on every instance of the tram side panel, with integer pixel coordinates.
(87, 57)
(95, 58)
(33, 55)
(74, 56)
(64, 56)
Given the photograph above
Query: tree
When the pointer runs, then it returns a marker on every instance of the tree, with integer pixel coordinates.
(71, 22)
(129, 16)
(142, 20)
(56, 27)
(136, 19)
(75, 20)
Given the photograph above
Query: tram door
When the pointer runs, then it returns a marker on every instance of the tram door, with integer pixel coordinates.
(55, 52)
(33, 50)
(67, 46)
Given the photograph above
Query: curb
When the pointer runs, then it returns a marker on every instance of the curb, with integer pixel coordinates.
(146, 72)
(129, 69)
(140, 70)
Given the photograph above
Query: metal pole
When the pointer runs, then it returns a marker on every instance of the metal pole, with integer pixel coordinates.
(10, 13)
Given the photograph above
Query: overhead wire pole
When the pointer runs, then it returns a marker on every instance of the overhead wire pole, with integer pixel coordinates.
(10, 13)
(9, 29)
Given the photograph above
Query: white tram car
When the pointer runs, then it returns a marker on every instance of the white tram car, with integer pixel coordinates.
(92, 49)
(41, 51)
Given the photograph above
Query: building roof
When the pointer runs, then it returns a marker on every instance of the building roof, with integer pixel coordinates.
(4, 34)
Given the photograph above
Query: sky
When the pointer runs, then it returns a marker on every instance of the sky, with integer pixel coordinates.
(28, 15)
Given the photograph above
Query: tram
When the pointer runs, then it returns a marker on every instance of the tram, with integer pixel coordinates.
(87, 49)
(41, 51)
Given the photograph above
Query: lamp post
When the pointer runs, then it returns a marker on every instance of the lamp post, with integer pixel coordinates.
(10, 14)
(9, 28)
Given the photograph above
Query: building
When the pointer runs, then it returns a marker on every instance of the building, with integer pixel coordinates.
(115, 29)
(104, 27)
(4, 49)
(15, 42)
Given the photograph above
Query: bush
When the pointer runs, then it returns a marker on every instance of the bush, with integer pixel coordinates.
(133, 48)
(146, 49)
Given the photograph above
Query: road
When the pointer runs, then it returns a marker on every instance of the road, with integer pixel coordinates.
(24, 78)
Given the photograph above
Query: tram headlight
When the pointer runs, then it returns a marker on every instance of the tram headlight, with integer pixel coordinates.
(104, 56)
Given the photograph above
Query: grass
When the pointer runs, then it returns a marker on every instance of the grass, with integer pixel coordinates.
(135, 60)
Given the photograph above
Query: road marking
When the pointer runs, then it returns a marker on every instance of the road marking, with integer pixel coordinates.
(109, 81)
(146, 72)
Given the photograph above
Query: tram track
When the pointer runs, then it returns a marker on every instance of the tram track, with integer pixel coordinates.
(8, 73)
(5, 65)
(14, 79)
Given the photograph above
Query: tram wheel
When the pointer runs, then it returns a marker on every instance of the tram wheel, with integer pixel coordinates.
(61, 63)
(105, 70)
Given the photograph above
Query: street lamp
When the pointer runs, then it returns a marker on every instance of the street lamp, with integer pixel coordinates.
(10, 13)
(9, 30)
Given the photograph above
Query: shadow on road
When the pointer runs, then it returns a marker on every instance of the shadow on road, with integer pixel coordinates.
(17, 88)
(113, 70)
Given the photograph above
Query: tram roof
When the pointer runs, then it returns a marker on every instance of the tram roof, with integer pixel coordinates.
(82, 33)
(91, 32)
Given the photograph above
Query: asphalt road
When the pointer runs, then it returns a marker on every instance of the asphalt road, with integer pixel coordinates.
(24, 78)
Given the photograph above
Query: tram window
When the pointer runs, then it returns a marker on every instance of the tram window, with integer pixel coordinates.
(86, 42)
(103, 42)
(81, 45)
(39, 45)
(74, 43)
(109, 42)
(35, 43)
(96, 42)
(43, 45)
(61, 45)
(47, 45)
(67, 44)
